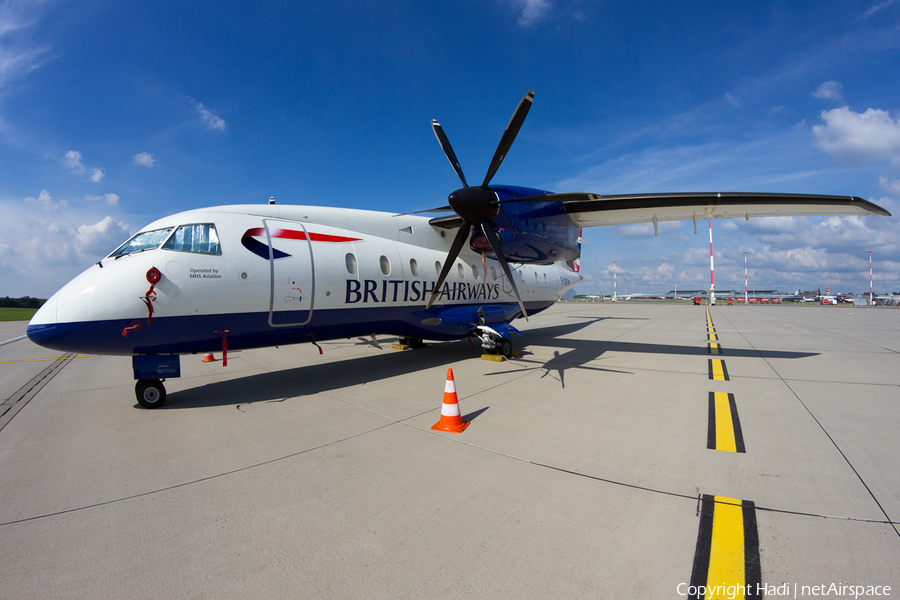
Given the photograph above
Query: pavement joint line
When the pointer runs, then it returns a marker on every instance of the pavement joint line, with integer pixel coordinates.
(692, 498)
(196, 481)
(23, 396)
(828, 435)
(15, 362)
(15, 339)
(834, 332)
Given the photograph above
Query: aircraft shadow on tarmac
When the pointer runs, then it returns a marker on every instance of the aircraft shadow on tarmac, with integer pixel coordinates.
(581, 352)
(313, 379)
(309, 380)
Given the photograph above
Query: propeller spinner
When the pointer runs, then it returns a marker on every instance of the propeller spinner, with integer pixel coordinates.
(478, 205)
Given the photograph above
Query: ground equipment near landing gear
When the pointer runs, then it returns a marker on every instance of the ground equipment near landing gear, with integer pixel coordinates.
(414, 343)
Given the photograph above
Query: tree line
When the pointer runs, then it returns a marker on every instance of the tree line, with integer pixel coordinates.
(24, 302)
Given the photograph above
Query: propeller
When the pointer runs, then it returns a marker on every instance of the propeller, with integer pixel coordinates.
(479, 205)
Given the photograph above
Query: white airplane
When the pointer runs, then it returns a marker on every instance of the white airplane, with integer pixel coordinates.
(250, 276)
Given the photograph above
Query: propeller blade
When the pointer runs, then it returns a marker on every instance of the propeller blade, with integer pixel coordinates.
(509, 136)
(462, 235)
(497, 246)
(448, 150)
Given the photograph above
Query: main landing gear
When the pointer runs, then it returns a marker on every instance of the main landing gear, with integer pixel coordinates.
(150, 393)
(492, 342)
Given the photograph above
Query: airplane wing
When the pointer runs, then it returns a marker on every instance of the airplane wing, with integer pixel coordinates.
(590, 210)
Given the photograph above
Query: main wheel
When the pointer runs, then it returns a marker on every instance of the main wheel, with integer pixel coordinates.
(504, 347)
(150, 393)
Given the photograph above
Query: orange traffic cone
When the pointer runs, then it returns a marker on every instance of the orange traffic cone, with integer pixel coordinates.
(209, 357)
(450, 417)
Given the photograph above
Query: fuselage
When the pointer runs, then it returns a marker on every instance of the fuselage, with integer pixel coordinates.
(265, 275)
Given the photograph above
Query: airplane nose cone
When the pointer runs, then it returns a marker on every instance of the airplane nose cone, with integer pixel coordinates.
(42, 329)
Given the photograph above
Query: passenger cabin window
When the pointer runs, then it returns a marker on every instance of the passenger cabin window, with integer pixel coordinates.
(147, 240)
(202, 239)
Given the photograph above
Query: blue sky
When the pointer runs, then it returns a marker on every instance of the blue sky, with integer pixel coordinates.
(113, 114)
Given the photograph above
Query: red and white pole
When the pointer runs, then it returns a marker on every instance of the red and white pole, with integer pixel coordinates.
(614, 282)
(745, 277)
(712, 272)
(870, 278)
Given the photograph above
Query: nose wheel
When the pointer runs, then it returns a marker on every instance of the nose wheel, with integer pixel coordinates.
(150, 393)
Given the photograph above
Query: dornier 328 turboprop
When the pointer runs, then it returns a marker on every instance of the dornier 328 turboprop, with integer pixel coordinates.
(250, 276)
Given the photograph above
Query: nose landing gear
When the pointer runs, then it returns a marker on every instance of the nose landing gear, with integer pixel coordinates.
(150, 393)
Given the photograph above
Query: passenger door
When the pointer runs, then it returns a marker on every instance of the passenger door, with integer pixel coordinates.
(292, 269)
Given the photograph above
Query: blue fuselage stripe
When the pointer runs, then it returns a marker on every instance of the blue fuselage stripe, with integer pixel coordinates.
(203, 333)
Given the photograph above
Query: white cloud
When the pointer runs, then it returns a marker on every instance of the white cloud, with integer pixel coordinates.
(74, 164)
(830, 90)
(45, 201)
(73, 161)
(144, 159)
(848, 135)
(18, 56)
(210, 120)
(532, 11)
(111, 199)
(38, 256)
(94, 241)
(890, 187)
(875, 8)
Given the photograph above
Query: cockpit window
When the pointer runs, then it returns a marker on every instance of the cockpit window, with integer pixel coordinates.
(148, 240)
(195, 238)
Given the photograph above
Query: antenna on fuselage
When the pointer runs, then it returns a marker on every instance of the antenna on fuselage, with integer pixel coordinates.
(271, 199)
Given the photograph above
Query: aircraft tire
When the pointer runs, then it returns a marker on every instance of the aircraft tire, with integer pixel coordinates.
(415, 343)
(504, 347)
(150, 393)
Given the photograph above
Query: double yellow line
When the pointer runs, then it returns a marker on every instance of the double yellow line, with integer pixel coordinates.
(726, 560)
(717, 370)
(724, 431)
